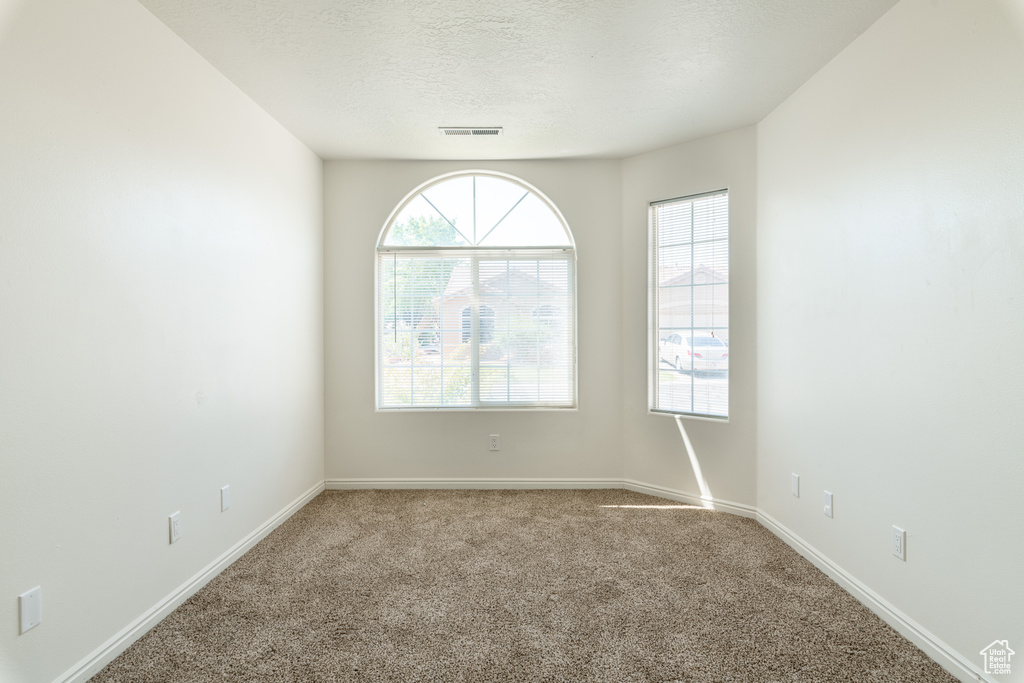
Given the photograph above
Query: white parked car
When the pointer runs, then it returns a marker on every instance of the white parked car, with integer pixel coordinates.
(695, 353)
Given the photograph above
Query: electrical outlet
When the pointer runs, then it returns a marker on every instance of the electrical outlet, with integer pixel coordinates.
(828, 503)
(225, 498)
(175, 526)
(495, 442)
(796, 485)
(899, 543)
(30, 605)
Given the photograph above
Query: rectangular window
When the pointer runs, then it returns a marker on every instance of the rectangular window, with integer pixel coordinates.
(689, 306)
(476, 328)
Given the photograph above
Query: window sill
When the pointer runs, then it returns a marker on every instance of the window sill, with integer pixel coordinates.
(688, 416)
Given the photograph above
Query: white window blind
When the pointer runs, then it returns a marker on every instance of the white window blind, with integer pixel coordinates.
(689, 306)
(463, 322)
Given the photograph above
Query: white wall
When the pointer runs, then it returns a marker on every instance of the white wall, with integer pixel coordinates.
(161, 300)
(363, 444)
(164, 320)
(653, 449)
(891, 314)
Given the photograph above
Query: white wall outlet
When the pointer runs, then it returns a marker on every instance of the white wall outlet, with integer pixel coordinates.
(495, 442)
(796, 485)
(30, 605)
(828, 503)
(175, 526)
(899, 543)
(225, 497)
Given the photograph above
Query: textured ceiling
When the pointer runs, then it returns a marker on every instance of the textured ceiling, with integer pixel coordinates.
(565, 78)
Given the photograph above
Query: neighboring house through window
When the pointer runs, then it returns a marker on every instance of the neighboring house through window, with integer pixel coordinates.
(476, 298)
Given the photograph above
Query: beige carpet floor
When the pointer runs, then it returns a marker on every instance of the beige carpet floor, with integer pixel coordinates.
(603, 585)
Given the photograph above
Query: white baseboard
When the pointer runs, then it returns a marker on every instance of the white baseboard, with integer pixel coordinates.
(739, 509)
(427, 483)
(496, 483)
(120, 642)
(943, 654)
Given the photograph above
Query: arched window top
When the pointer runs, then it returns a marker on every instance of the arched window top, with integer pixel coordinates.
(473, 210)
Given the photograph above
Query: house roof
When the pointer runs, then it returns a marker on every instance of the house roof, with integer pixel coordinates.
(517, 280)
(700, 275)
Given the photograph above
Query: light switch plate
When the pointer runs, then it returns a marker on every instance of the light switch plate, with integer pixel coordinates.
(796, 485)
(30, 605)
(225, 498)
(828, 503)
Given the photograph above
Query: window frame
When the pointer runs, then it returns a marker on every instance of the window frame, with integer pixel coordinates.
(653, 322)
(454, 250)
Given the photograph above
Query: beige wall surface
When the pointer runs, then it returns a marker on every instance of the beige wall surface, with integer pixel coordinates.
(653, 448)
(161, 298)
(364, 444)
(891, 315)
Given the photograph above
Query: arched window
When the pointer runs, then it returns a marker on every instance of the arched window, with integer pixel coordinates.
(476, 298)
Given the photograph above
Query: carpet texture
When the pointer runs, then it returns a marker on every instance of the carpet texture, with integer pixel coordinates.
(599, 585)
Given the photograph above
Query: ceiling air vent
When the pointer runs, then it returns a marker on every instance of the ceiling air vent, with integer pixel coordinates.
(470, 131)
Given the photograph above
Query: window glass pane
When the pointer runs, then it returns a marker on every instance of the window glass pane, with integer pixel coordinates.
(427, 385)
(675, 265)
(453, 199)
(495, 197)
(396, 384)
(494, 382)
(674, 224)
(420, 225)
(684, 307)
(675, 306)
(486, 323)
(531, 223)
(554, 383)
(713, 309)
(457, 385)
(710, 262)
